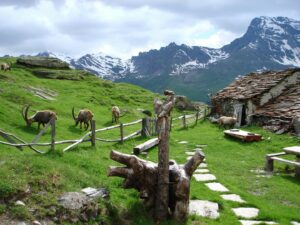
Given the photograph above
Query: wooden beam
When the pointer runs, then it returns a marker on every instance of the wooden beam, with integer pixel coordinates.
(145, 146)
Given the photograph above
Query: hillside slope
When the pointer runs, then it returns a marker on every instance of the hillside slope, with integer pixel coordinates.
(38, 180)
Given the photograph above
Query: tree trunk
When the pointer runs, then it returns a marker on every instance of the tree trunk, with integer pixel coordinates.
(142, 176)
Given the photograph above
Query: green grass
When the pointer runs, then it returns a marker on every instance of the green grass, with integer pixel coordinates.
(48, 176)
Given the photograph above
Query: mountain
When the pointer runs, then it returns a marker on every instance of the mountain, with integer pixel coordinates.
(270, 43)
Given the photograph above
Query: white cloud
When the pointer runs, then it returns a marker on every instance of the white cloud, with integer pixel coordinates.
(124, 28)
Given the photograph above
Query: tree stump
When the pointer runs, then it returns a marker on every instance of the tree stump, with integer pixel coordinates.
(142, 176)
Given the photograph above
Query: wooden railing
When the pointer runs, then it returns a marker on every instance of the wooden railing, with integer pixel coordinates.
(148, 128)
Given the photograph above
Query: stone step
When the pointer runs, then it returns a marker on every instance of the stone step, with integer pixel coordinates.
(254, 222)
(202, 165)
(204, 208)
(246, 212)
(204, 177)
(216, 187)
(201, 171)
(232, 197)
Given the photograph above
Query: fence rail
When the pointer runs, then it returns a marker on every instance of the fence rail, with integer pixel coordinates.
(149, 128)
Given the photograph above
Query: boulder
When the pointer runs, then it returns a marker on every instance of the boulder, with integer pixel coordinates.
(183, 103)
(46, 62)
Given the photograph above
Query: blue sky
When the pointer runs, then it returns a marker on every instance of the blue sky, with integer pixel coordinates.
(124, 28)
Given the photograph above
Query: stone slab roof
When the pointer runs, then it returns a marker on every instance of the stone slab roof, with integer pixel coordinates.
(287, 105)
(253, 84)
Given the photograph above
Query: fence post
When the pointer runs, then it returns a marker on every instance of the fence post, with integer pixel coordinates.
(204, 116)
(93, 128)
(184, 121)
(171, 120)
(145, 127)
(122, 132)
(52, 122)
(197, 116)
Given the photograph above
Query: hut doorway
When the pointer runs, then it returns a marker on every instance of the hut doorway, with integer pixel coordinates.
(240, 114)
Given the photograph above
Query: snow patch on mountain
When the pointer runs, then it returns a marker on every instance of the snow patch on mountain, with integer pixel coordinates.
(184, 68)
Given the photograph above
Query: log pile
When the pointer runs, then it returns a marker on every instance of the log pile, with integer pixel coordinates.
(142, 176)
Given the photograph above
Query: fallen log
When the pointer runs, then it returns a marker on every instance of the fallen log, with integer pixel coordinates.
(145, 146)
(142, 176)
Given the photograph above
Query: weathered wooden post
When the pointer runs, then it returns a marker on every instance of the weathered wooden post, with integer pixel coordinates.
(145, 127)
(184, 121)
(269, 164)
(197, 117)
(93, 137)
(122, 133)
(163, 111)
(171, 122)
(52, 122)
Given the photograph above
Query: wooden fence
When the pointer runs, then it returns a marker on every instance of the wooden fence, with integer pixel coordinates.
(148, 128)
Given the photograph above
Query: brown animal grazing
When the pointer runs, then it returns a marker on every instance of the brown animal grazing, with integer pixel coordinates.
(115, 114)
(41, 117)
(84, 116)
(5, 66)
(226, 121)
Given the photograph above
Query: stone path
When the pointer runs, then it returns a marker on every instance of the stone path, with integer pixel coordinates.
(204, 208)
(204, 177)
(210, 209)
(233, 197)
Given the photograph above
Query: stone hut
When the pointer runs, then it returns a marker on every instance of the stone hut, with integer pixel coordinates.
(268, 98)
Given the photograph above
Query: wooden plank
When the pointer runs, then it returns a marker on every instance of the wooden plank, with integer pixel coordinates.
(276, 154)
(132, 123)
(243, 135)
(93, 128)
(286, 161)
(108, 128)
(145, 146)
(77, 142)
(9, 139)
(293, 150)
(52, 122)
(40, 133)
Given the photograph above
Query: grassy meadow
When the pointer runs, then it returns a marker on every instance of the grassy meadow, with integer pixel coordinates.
(235, 164)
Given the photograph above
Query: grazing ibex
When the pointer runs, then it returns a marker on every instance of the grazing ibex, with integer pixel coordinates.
(84, 116)
(115, 114)
(5, 66)
(225, 120)
(41, 117)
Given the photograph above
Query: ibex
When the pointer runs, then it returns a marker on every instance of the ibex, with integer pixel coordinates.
(225, 120)
(84, 116)
(5, 66)
(41, 117)
(115, 114)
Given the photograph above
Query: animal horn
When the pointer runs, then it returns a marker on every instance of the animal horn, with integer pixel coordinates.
(73, 114)
(25, 112)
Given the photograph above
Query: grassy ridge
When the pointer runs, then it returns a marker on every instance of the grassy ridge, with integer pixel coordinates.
(47, 176)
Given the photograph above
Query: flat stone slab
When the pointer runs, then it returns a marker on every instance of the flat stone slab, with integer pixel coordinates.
(233, 197)
(197, 149)
(202, 165)
(190, 153)
(216, 187)
(204, 208)
(247, 213)
(254, 222)
(295, 223)
(201, 171)
(204, 177)
(182, 142)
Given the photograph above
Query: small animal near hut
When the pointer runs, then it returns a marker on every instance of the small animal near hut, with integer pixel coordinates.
(115, 114)
(5, 66)
(226, 121)
(84, 116)
(41, 117)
